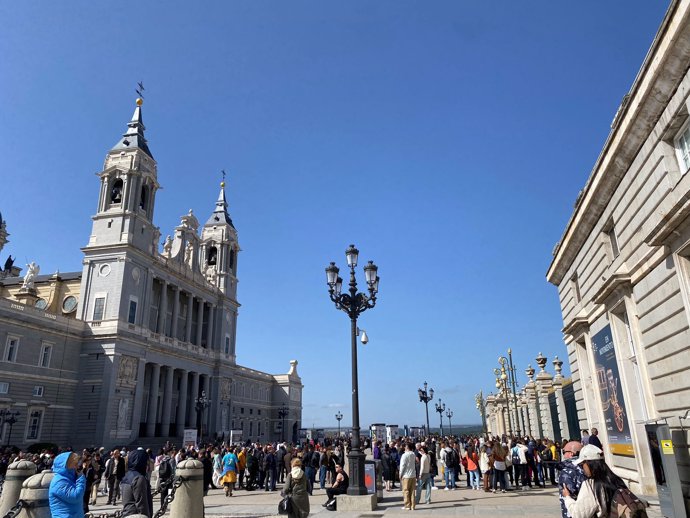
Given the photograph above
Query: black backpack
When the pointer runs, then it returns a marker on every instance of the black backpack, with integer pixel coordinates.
(165, 469)
(452, 459)
(545, 455)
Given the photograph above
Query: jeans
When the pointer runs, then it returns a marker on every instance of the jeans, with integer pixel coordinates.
(449, 475)
(425, 481)
(322, 476)
(499, 478)
(113, 489)
(271, 474)
(474, 476)
(309, 473)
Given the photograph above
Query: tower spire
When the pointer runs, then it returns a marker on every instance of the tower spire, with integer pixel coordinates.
(134, 136)
(220, 213)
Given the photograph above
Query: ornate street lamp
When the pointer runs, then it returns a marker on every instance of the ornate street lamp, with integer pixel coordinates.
(440, 408)
(282, 414)
(9, 417)
(479, 401)
(424, 397)
(354, 304)
(502, 386)
(449, 415)
(339, 417)
(201, 404)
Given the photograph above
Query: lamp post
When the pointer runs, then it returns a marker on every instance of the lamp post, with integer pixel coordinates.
(514, 384)
(424, 397)
(201, 404)
(502, 386)
(449, 415)
(339, 417)
(479, 400)
(508, 370)
(282, 413)
(9, 417)
(440, 407)
(354, 304)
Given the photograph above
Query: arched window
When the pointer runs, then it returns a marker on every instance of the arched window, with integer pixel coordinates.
(212, 255)
(232, 259)
(116, 191)
(144, 198)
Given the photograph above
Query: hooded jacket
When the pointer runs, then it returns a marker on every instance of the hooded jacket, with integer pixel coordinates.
(66, 492)
(135, 488)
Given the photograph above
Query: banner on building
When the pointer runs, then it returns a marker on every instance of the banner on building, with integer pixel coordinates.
(611, 394)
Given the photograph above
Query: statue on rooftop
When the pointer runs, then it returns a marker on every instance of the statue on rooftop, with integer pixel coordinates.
(32, 270)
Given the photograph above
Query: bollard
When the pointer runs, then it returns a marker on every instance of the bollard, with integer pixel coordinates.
(35, 493)
(17, 473)
(189, 497)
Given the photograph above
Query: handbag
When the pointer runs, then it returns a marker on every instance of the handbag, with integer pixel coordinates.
(285, 505)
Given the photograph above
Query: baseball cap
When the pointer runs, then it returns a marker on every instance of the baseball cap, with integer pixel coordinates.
(589, 452)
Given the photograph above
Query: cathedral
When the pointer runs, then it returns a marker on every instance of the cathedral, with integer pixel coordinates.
(139, 345)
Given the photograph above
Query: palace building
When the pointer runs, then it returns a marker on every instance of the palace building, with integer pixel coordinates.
(124, 351)
(622, 269)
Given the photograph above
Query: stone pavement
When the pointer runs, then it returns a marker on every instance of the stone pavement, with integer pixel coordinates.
(536, 503)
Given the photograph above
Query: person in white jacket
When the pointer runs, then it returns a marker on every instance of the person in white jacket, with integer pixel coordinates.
(596, 493)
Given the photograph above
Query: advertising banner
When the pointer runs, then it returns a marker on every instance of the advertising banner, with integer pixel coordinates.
(189, 438)
(610, 393)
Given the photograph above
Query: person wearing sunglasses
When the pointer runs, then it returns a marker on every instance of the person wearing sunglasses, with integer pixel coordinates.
(570, 475)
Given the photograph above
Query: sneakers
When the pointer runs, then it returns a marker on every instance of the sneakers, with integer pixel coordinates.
(446, 488)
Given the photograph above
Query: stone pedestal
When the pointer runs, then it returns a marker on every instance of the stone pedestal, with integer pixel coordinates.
(17, 473)
(35, 491)
(27, 296)
(189, 497)
(356, 502)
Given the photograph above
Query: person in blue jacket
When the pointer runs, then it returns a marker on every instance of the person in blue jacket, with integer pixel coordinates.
(66, 492)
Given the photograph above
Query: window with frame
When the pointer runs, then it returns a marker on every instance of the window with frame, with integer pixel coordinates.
(46, 353)
(613, 241)
(38, 391)
(132, 314)
(682, 145)
(98, 308)
(575, 288)
(11, 349)
(33, 425)
(227, 345)
(4, 387)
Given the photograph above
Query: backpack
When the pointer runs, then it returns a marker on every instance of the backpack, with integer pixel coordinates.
(452, 459)
(515, 456)
(625, 504)
(545, 455)
(165, 469)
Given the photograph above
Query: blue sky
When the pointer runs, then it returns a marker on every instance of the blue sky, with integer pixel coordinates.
(447, 140)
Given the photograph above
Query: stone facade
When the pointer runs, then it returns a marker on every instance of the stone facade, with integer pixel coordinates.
(120, 352)
(622, 267)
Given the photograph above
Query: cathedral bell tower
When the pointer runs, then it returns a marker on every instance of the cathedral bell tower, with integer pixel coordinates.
(219, 248)
(127, 194)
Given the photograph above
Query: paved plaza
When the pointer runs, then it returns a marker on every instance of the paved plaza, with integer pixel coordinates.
(536, 503)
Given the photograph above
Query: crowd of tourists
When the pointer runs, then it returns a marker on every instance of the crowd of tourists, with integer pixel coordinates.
(131, 479)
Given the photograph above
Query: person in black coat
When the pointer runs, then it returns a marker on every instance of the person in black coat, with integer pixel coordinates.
(208, 471)
(135, 487)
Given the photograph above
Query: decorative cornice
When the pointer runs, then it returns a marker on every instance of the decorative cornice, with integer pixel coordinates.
(614, 283)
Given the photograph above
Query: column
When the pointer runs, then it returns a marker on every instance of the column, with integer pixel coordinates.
(545, 408)
(560, 402)
(146, 301)
(188, 322)
(167, 401)
(153, 400)
(525, 417)
(138, 398)
(209, 329)
(176, 312)
(163, 307)
(199, 321)
(182, 403)
(194, 395)
(532, 405)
